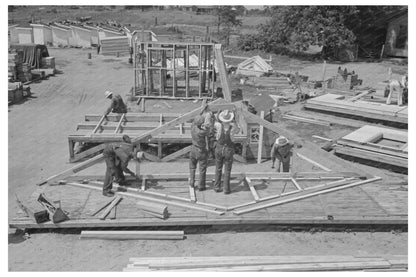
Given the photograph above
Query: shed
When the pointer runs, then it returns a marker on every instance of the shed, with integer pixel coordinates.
(42, 34)
(14, 37)
(397, 35)
(60, 36)
(24, 35)
(254, 66)
(82, 36)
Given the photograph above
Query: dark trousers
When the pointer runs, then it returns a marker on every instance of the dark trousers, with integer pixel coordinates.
(223, 156)
(201, 156)
(111, 170)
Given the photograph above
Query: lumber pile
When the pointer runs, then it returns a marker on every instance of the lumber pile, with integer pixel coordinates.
(113, 46)
(18, 70)
(269, 82)
(270, 263)
(48, 62)
(344, 80)
(133, 235)
(24, 73)
(17, 91)
(153, 209)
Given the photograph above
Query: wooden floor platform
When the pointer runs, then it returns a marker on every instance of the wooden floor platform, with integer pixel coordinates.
(365, 109)
(383, 145)
(366, 204)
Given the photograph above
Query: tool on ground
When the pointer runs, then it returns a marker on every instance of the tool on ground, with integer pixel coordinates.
(38, 216)
(56, 214)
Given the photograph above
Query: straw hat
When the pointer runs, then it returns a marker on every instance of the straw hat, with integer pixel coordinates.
(281, 141)
(226, 116)
(108, 93)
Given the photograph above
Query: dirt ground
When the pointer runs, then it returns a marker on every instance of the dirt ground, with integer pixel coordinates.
(38, 148)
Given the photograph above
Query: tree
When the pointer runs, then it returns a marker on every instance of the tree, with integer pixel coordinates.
(227, 17)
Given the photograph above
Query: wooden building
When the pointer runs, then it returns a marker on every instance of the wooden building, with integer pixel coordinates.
(397, 35)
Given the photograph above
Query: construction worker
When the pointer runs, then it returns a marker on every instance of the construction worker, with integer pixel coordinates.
(199, 152)
(282, 150)
(225, 129)
(117, 104)
(117, 157)
(399, 86)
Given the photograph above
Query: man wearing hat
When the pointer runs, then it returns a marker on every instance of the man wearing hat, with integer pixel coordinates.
(282, 150)
(225, 129)
(199, 152)
(117, 104)
(117, 157)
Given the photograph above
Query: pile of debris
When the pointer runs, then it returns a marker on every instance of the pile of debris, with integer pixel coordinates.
(17, 91)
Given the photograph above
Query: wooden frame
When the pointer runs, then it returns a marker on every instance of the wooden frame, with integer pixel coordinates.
(162, 59)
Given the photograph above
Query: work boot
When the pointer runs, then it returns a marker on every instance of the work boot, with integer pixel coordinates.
(201, 188)
(227, 192)
(218, 189)
(108, 193)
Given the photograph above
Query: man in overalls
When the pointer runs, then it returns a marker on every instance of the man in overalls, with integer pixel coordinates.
(117, 156)
(199, 152)
(282, 150)
(225, 129)
(117, 104)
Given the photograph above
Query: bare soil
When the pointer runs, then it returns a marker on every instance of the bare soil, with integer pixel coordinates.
(38, 130)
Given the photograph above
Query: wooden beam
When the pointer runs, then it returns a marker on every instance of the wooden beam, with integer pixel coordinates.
(127, 235)
(92, 151)
(283, 194)
(225, 82)
(177, 154)
(115, 202)
(357, 97)
(74, 169)
(119, 123)
(260, 145)
(296, 184)
(306, 195)
(186, 65)
(143, 188)
(313, 162)
(101, 208)
(98, 125)
(192, 194)
(252, 189)
(143, 196)
(307, 120)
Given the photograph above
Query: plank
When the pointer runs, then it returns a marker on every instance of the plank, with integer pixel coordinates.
(306, 195)
(128, 235)
(307, 120)
(346, 266)
(192, 194)
(74, 169)
(296, 184)
(92, 151)
(115, 202)
(177, 154)
(98, 125)
(312, 162)
(225, 82)
(362, 94)
(141, 195)
(260, 146)
(203, 221)
(101, 208)
(252, 189)
(119, 123)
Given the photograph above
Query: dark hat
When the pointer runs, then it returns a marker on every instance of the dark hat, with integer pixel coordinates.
(126, 139)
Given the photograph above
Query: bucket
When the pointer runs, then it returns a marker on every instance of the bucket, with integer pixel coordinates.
(89, 56)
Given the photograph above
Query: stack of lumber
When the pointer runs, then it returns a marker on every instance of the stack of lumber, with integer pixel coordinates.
(113, 46)
(153, 209)
(15, 92)
(130, 235)
(270, 263)
(274, 82)
(24, 72)
(359, 108)
(12, 65)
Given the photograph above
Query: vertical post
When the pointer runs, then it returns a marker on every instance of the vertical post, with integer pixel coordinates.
(244, 151)
(260, 148)
(323, 71)
(148, 89)
(204, 67)
(381, 53)
(71, 145)
(186, 58)
(200, 72)
(143, 105)
(159, 149)
(163, 73)
(174, 70)
(211, 57)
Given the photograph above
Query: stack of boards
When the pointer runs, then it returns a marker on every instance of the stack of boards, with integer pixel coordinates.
(270, 263)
